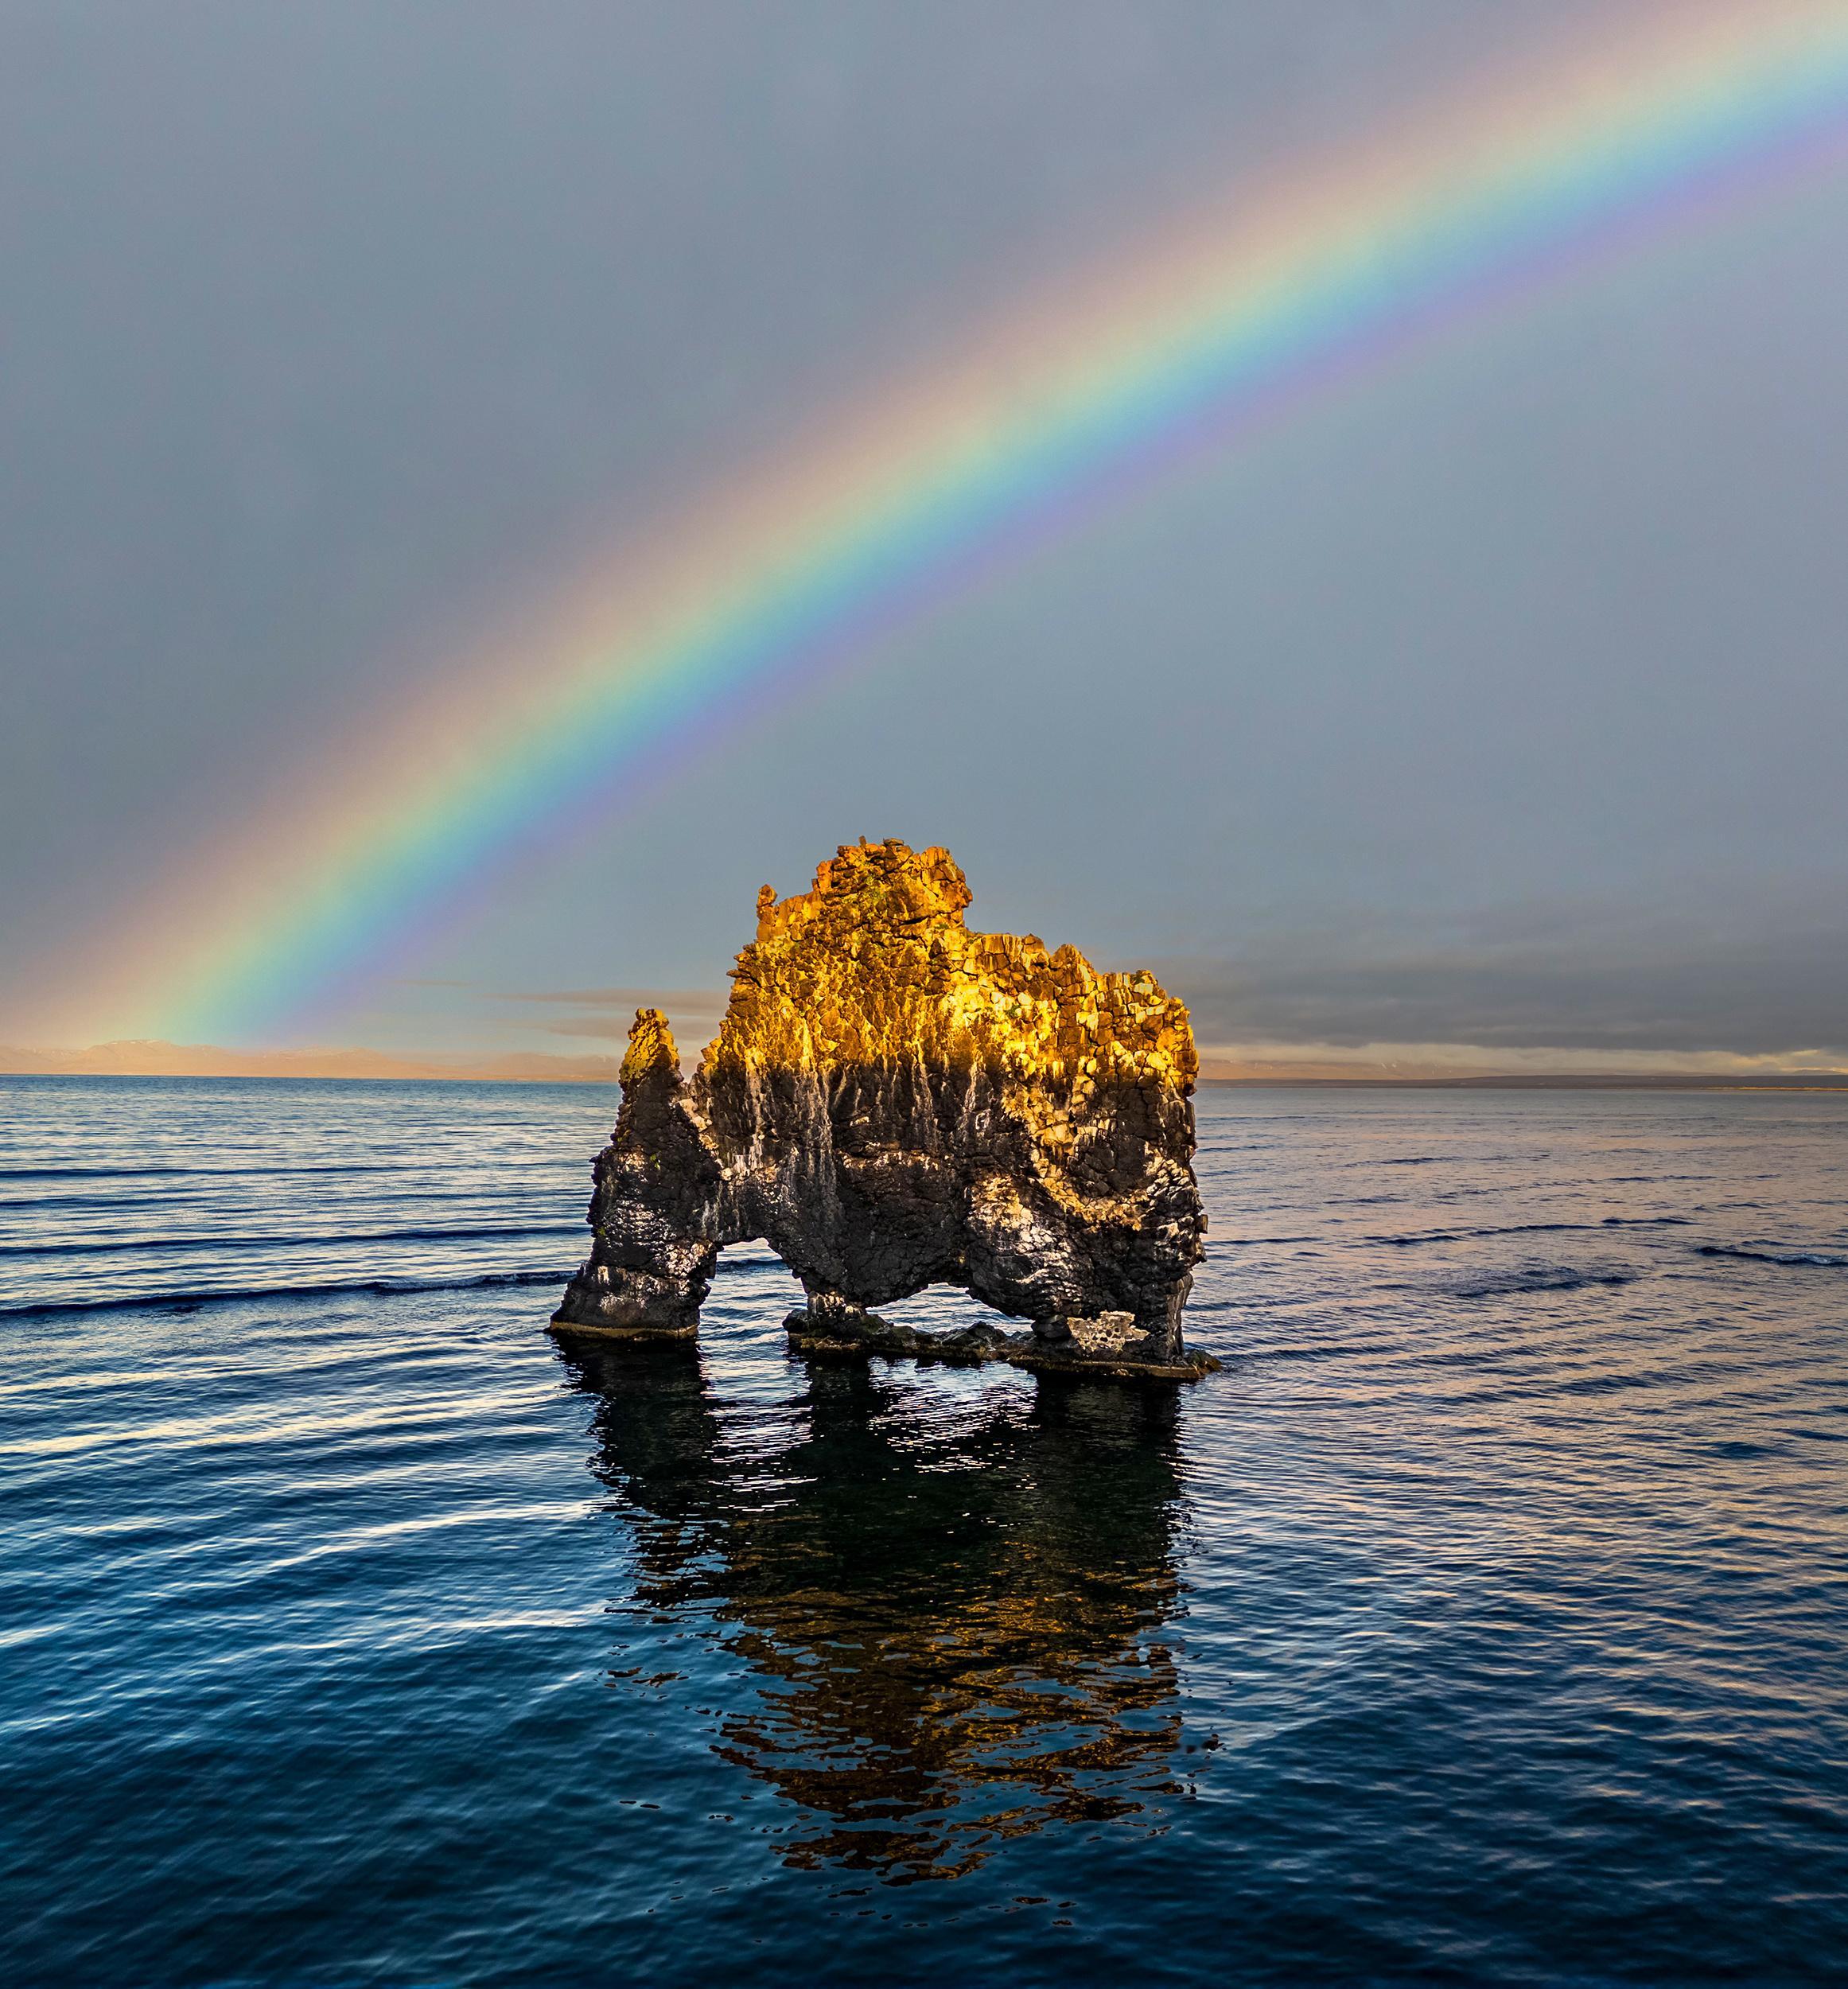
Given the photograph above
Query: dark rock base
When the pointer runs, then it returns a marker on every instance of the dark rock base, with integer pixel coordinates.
(866, 1335)
(566, 1320)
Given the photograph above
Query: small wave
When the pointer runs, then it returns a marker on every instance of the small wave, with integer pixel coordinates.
(1830, 1259)
(112, 1203)
(1464, 1236)
(1526, 1229)
(122, 1174)
(154, 1244)
(193, 1301)
(1542, 1278)
(1647, 1181)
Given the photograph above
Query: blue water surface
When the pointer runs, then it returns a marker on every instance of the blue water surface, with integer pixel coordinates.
(1483, 1622)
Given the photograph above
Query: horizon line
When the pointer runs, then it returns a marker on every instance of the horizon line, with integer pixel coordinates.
(151, 1058)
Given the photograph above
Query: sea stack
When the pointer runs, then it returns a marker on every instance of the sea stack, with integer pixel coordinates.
(893, 1101)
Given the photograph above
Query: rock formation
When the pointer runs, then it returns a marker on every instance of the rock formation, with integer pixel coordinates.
(893, 1101)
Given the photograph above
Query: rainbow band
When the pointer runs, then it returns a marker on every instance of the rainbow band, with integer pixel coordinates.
(1064, 413)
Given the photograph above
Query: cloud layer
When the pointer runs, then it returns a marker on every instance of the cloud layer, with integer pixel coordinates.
(1778, 995)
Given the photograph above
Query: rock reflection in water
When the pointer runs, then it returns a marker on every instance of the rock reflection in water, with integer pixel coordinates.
(957, 1634)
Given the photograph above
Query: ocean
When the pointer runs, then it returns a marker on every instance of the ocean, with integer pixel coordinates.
(1482, 1621)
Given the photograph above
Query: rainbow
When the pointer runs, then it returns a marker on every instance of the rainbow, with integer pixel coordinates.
(1070, 406)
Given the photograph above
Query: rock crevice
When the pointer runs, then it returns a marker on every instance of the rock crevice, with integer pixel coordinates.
(894, 1101)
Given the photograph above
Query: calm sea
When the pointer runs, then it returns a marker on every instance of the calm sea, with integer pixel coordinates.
(1483, 1622)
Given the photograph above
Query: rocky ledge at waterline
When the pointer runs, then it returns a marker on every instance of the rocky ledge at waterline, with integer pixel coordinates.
(893, 1102)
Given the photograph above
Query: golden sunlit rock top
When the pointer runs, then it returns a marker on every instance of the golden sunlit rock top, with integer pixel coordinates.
(651, 1049)
(875, 965)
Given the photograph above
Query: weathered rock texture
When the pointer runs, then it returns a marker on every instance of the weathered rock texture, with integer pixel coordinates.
(893, 1101)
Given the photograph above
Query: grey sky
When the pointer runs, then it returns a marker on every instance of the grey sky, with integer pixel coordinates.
(1500, 702)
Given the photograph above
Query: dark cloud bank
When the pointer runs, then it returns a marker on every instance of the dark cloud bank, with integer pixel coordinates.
(1766, 997)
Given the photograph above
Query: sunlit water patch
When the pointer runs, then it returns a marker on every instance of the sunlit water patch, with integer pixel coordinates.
(1483, 1620)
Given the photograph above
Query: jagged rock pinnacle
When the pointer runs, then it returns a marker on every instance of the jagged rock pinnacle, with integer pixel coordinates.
(893, 1101)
